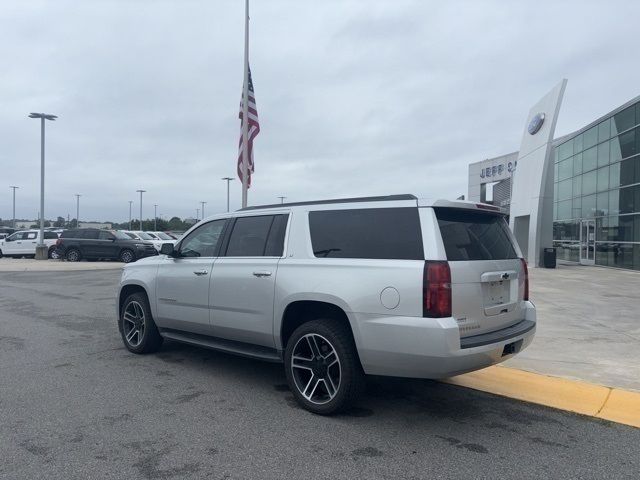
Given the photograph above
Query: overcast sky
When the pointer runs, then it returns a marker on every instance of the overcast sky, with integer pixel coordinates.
(354, 97)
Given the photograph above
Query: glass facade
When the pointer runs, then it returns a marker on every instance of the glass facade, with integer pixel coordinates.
(597, 178)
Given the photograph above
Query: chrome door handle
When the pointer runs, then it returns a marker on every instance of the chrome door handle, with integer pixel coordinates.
(201, 272)
(262, 274)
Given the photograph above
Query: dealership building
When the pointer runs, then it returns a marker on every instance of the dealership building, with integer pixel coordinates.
(579, 193)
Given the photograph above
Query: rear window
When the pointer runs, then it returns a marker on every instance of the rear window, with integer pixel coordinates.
(469, 235)
(375, 233)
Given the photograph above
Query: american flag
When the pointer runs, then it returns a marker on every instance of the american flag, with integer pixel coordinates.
(254, 129)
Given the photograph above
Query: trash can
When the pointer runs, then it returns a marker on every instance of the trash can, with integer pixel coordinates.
(549, 257)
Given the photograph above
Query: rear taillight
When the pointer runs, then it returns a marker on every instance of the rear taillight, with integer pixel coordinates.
(525, 271)
(436, 289)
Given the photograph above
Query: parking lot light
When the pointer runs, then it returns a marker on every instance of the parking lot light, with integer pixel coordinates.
(140, 192)
(42, 252)
(228, 179)
(13, 224)
(77, 209)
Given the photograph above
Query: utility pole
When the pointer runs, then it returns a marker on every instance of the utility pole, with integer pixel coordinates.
(141, 192)
(130, 203)
(197, 215)
(14, 205)
(78, 210)
(202, 203)
(282, 199)
(228, 179)
(155, 217)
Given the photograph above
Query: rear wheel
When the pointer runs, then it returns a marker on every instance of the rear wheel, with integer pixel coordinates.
(322, 366)
(73, 255)
(137, 328)
(53, 253)
(127, 256)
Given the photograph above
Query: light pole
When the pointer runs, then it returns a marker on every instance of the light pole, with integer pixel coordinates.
(130, 203)
(197, 215)
(14, 205)
(78, 210)
(202, 203)
(141, 192)
(155, 217)
(42, 252)
(228, 179)
(282, 199)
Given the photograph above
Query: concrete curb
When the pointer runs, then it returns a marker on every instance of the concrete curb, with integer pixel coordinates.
(613, 404)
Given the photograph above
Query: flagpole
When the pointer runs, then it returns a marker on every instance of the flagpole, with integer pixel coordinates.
(245, 110)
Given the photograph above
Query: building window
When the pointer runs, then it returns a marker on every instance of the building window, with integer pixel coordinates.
(590, 159)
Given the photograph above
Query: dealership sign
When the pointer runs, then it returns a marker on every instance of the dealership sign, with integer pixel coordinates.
(497, 170)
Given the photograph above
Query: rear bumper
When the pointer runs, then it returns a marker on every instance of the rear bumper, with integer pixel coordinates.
(432, 348)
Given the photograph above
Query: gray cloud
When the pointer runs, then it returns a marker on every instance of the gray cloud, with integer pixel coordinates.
(355, 98)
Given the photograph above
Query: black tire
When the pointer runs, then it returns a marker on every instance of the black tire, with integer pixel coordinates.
(53, 253)
(149, 339)
(335, 335)
(127, 256)
(73, 255)
(0, 253)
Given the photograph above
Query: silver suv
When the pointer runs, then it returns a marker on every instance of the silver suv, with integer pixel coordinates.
(339, 289)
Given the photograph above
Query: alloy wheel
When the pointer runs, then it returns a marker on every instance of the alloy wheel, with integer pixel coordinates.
(133, 323)
(316, 369)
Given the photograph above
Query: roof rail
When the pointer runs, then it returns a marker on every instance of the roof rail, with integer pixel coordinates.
(387, 198)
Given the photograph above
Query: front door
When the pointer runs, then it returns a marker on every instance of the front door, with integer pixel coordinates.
(588, 242)
(182, 288)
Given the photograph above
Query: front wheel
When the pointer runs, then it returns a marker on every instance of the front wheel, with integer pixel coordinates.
(53, 253)
(322, 366)
(137, 328)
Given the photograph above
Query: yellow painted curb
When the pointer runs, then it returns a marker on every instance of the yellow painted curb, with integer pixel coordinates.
(613, 404)
(622, 407)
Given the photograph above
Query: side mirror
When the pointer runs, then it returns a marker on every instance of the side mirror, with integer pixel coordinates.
(168, 249)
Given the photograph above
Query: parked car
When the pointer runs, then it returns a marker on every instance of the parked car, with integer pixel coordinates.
(162, 236)
(23, 244)
(339, 289)
(145, 237)
(93, 244)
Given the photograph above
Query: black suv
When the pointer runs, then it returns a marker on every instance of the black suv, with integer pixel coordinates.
(91, 243)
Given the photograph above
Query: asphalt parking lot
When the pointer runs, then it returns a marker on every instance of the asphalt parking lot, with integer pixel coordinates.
(75, 404)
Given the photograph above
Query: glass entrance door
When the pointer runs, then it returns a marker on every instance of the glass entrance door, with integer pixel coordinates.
(588, 242)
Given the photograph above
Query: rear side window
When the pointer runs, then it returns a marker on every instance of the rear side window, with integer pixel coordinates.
(469, 235)
(376, 233)
(260, 236)
(50, 235)
(90, 234)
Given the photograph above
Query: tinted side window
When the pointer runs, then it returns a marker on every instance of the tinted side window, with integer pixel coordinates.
(249, 236)
(376, 233)
(275, 242)
(203, 241)
(90, 234)
(31, 236)
(469, 235)
(50, 235)
(106, 236)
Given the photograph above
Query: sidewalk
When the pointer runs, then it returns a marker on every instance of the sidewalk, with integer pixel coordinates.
(30, 265)
(588, 326)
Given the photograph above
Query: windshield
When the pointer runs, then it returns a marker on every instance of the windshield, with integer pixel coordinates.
(152, 235)
(121, 235)
(144, 236)
(163, 236)
(132, 235)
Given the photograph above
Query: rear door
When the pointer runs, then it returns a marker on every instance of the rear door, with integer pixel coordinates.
(244, 277)
(29, 242)
(486, 273)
